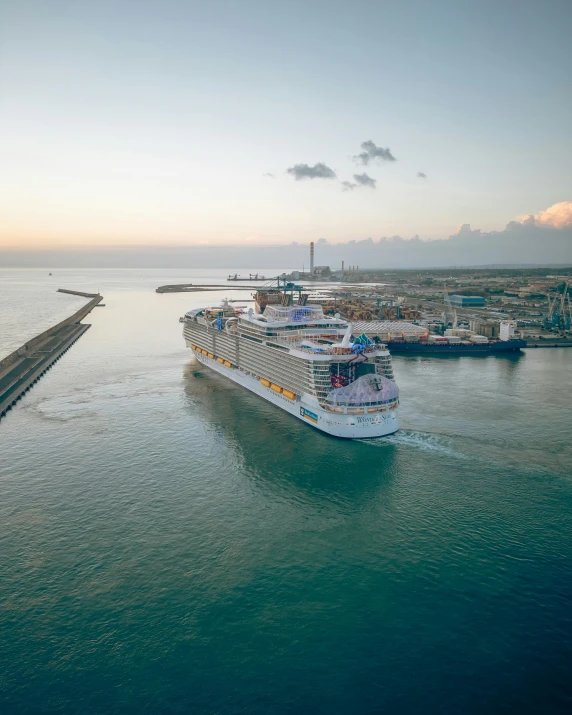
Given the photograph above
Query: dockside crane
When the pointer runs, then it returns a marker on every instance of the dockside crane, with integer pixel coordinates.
(559, 315)
(564, 317)
(549, 317)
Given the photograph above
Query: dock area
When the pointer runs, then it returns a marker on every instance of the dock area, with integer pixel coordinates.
(549, 343)
(24, 367)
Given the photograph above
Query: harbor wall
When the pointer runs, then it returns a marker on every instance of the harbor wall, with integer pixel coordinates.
(77, 292)
(32, 344)
(23, 367)
(15, 391)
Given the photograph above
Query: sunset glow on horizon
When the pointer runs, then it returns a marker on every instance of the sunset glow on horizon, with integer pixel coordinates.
(183, 123)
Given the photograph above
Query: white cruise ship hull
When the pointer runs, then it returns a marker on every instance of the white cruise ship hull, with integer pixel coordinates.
(348, 426)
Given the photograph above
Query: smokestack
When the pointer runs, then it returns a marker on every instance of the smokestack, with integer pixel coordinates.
(342, 269)
(311, 257)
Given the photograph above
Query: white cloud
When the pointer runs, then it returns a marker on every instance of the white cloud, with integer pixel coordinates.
(557, 216)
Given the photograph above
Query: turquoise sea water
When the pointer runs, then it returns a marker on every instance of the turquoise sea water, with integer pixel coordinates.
(171, 543)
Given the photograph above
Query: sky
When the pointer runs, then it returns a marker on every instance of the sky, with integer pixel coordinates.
(245, 123)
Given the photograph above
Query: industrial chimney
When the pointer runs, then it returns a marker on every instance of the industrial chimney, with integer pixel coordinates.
(312, 258)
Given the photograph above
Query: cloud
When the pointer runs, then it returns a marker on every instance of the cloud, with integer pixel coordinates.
(318, 171)
(466, 230)
(365, 180)
(520, 243)
(371, 152)
(269, 175)
(360, 180)
(556, 216)
(421, 175)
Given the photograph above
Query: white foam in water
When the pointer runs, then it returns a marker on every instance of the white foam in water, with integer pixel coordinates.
(420, 440)
(87, 402)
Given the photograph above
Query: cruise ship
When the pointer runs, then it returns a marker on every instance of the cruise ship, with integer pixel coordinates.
(307, 363)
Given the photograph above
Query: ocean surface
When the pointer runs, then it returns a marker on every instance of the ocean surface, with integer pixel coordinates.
(170, 543)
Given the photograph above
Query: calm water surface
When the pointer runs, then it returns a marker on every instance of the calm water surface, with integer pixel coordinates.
(171, 543)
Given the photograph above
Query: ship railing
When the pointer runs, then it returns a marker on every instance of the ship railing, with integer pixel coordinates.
(355, 408)
(357, 403)
(335, 350)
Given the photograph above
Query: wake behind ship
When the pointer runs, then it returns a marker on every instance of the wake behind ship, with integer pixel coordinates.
(302, 361)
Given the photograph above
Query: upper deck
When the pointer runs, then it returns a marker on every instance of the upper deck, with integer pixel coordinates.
(299, 329)
(304, 329)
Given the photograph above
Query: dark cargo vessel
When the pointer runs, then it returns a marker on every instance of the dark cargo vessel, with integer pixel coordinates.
(463, 348)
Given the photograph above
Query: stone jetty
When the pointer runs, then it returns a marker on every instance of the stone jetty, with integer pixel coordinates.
(22, 368)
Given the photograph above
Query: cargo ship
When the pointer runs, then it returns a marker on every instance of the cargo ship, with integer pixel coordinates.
(304, 362)
(402, 337)
(493, 347)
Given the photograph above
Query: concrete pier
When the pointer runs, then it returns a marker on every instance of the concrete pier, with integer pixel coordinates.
(22, 368)
(78, 292)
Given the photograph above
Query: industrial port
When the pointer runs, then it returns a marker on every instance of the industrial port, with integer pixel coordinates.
(473, 309)
(464, 303)
(454, 305)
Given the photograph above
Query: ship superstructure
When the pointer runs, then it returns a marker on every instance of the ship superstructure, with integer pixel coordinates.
(302, 361)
